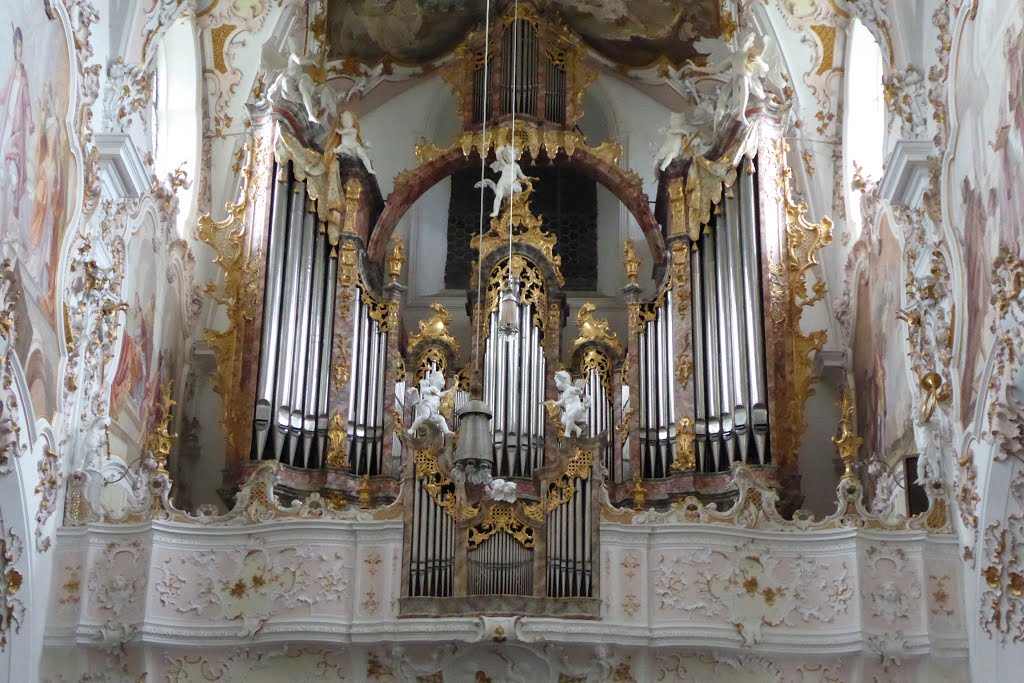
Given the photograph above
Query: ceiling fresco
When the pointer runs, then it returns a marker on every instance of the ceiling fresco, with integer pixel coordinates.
(630, 32)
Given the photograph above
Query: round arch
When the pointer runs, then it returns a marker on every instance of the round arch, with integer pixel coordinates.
(624, 184)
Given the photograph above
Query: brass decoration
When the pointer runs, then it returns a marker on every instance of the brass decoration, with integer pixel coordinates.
(790, 296)
(337, 450)
(501, 517)
(931, 384)
(686, 455)
(593, 330)
(435, 328)
(161, 440)
(365, 492)
(631, 261)
(517, 214)
(241, 283)
(848, 443)
(396, 259)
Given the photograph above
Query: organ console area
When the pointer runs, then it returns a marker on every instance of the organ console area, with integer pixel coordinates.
(711, 368)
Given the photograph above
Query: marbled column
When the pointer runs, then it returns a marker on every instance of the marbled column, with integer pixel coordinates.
(631, 377)
(682, 341)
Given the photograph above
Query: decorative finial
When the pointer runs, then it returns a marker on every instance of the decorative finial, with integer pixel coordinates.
(396, 259)
(364, 492)
(847, 442)
(639, 495)
(631, 261)
(162, 440)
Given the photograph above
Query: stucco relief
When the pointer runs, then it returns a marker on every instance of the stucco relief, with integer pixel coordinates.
(258, 666)
(712, 666)
(252, 583)
(892, 588)
(117, 588)
(752, 587)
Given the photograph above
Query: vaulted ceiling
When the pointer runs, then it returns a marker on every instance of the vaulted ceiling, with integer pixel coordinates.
(630, 32)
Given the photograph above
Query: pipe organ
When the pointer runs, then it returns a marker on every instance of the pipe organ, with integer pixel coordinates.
(711, 367)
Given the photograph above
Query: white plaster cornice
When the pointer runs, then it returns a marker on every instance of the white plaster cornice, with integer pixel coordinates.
(906, 174)
(123, 174)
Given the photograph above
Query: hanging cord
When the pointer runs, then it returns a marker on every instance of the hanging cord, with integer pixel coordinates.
(515, 103)
(483, 175)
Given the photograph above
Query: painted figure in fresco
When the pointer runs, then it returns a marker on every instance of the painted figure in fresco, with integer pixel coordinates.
(47, 197)
(351, 144)
(136, 351)
(510, 177)
(427, 403)
(15, 126)
(573, 402)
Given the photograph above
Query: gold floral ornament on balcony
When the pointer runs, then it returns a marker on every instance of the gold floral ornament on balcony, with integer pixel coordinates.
(848, 443)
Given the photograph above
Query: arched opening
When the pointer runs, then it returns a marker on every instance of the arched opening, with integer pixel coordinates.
(176, 139)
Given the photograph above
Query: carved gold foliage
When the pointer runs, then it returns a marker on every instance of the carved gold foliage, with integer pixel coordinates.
(161, 440)
(383, 312)
(238, 295)
(596, 359)
(337, 450)
(562, 489)
(790, 296)
(592, 329)
(12, 610)
(1002, 600)
(517, 214)
(501, 517)
(434, 482)
(532, 289)
(704, 184)
(396, 259)
(685, 459)
(435, 328)
(320, 172)
(630, 261)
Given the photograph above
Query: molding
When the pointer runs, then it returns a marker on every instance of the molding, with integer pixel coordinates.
(906, 173)
(122, 172)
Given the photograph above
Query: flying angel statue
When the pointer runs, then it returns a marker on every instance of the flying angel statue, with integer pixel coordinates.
(745, 68)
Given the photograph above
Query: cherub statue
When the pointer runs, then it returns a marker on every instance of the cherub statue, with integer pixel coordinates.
(509, 180)
(294, 85)
(350, 144)
(427, 403)
(501, 490)
(743, 66)
(672, 143)
(573, 402)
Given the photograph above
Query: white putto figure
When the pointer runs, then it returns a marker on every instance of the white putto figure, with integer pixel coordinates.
(350, 144)
(295, 85)
(501, 490)
(510, 176)
(744, 68)
(427, 403)
(573, 402)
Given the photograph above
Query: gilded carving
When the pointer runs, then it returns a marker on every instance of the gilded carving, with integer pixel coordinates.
(685, 459)
(592, 329)
(517, 214)
(435, 328)
(501, 517)
(337, 450)
(238, 295)
(12, 610)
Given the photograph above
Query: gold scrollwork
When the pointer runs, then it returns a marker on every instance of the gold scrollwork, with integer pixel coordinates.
(848, 443)
(434, 482)
(597, 360)
(241, 282)
(337, 450)
(501, 517)
(686, 454)
(531, 288)
(161, 440)
(592, 329)
(517, 214)
(435, 328)
(432, 358)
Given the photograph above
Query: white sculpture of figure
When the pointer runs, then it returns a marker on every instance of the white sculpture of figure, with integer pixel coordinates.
(744, 68)
(350, 144)
(501, 490)
(573, 402)
(294, 85)
(510, 175)
(885, 489)
(427, 403)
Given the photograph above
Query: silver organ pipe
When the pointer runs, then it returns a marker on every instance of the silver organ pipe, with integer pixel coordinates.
(519, 61)
(729, 367)
(514, 388)
(569, 545)
(291, 409)
(500, 565)
(599, 417)
(366, 397)
(657, 410)
(272, 310)
(431, 569)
